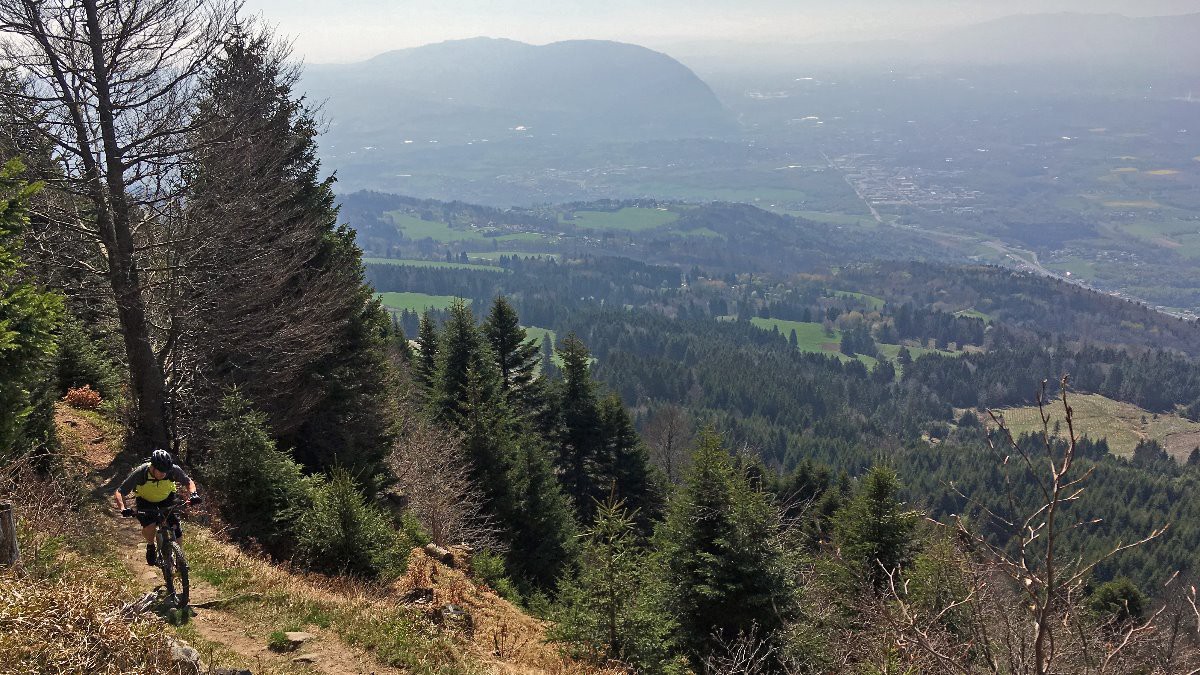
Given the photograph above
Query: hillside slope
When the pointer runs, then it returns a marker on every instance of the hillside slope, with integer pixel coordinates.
(434, 619)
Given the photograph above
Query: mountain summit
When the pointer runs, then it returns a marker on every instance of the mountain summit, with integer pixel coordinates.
(486, 88)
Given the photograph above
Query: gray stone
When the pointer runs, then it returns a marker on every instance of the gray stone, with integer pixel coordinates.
(186, 659)
(229, 671)
(305, 659)
(296, 638)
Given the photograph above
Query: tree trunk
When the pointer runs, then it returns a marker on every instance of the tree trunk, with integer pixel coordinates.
(145, 375)
(10, 555)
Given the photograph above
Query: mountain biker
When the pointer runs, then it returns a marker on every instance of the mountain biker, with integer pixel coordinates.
(154, 483)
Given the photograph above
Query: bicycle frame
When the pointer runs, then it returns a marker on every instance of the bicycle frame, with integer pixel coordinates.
(171, 559)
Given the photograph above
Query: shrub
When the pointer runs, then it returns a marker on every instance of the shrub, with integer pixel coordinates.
(488, 568)
(342, 534)
(83, 397)
(80, 361)
(261, 489)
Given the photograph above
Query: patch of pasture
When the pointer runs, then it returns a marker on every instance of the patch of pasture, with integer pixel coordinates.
(416, 302)
(630, 218)
(432, 264)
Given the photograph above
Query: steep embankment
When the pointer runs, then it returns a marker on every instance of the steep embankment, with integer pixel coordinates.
(435, 618)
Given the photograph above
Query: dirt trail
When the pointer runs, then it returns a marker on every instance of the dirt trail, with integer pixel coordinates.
(98, 448)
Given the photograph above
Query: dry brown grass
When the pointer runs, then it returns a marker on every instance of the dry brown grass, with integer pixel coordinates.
(71, 624)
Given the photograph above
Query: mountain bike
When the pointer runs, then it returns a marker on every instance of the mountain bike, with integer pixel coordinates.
(171, 559)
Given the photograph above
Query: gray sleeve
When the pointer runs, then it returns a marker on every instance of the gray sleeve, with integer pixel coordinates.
(132, 480)
(179, 476)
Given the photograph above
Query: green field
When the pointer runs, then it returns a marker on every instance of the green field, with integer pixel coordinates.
(974, 314)
(632, 219)
(415, 302)
(1123, 424)
(436, 264)
(835, 218)
(871, 301)
(415, 228)
(811, 337)
(540, 334)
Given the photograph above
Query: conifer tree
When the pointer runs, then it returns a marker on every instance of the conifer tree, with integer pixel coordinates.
(873, 530)
(280, 307)
(538, 517)
(609, 611)
(29, 317)
(426, 364)
(720, 555)
(625, 464)
(580, 442)
(516, 355)
(462, 354)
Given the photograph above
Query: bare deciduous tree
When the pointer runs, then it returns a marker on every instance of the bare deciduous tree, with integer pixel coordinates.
(1021, 609)
(435, 474)
(110, 85)
(669, 434)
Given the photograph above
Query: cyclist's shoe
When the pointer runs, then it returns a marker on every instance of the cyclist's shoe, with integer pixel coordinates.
(151, 559)
(195, 499)
(128, 513)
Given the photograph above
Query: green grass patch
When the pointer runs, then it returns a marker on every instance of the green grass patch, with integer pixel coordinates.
(416, 229)
(394, 635)
(811, 337)
(416, 302)
(632, 218)
(835, 218)
(974, 314)
(870, 300)
(433, 264)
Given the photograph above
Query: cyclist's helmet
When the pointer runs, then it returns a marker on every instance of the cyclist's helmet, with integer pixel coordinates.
(161, 460)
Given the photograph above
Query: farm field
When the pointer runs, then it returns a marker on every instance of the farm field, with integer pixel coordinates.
(435, 264)
(415, 228)
(811, 337)
(632, 219)
(871, 301)
(415, 302)
(1123, 424)
(835, 218)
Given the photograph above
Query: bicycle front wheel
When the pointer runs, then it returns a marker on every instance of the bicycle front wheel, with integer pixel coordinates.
(181, 573)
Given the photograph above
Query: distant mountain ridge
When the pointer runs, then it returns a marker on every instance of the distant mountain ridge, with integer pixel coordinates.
(485, 88)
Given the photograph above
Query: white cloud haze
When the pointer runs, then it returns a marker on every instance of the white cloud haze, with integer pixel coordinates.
(351, 30)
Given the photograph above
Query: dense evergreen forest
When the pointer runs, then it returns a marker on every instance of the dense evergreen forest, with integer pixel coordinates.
(766, 457)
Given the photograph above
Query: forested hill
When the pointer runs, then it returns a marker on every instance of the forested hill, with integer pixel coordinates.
(483, 88)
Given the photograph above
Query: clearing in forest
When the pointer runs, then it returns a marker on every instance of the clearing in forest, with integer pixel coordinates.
(416, 302)
(1123, 424)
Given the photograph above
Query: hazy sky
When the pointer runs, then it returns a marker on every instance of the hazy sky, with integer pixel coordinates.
(351, 30)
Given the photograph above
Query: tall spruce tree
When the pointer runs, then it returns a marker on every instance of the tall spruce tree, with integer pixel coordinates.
(580, 445)
(509, 464)
(425, 370)
(281, 310)
(624, 465)
(515, 353)
(721, 557)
